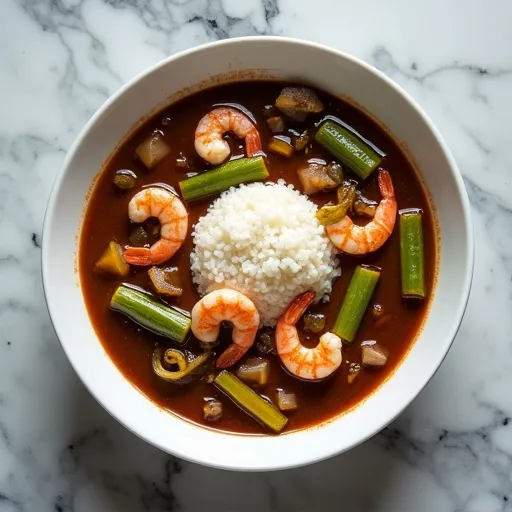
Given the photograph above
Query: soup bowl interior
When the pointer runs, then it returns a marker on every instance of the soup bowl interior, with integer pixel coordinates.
(231, 60)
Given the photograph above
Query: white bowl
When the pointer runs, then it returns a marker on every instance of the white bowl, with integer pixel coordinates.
(294, 60)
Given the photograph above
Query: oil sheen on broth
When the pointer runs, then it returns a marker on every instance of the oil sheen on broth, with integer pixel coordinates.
(391, 319)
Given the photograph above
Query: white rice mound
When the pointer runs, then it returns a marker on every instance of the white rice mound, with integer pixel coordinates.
(263, 240)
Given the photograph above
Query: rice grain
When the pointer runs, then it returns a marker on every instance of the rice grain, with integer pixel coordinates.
(263, 240)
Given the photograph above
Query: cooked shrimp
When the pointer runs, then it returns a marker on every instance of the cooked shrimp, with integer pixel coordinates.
(354, 239)
(209, 143)
(170, 211)
(306, 363)
(233, 306)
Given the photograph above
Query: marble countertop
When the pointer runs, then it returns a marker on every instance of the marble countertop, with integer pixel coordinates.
(450, 451)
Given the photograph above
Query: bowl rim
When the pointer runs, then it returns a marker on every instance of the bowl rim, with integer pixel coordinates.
(466, 214)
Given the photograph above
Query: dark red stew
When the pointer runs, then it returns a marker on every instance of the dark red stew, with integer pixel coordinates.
(371, 204)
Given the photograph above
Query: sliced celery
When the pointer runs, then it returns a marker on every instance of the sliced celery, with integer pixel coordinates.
(250, 401)
(356, 301)
(348, 149)
(412, 254)
(150, 313)
(217, 180)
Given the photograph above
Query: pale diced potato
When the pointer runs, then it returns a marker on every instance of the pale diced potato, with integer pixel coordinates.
(153, 150)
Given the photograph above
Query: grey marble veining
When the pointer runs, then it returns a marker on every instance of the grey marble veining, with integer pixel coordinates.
(451, 450)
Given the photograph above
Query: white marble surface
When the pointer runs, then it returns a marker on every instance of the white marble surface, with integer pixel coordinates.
(451, 450)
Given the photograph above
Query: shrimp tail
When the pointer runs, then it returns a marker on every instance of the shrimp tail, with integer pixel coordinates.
(297, 308)
(138, 256)
(252, 143)
(231, 355)
(386, 185)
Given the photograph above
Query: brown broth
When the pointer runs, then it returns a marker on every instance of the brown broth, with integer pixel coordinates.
(130, 346)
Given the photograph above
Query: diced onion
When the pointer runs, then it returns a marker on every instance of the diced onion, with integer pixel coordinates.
(372, 354)
(153, 150)
(286, 401)
(254, 370)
